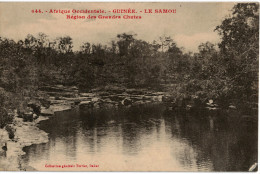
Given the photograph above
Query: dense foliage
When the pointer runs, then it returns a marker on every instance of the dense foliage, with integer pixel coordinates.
(227, 73)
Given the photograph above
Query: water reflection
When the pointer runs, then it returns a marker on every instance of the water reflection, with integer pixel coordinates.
(146, 138)
(228, 141)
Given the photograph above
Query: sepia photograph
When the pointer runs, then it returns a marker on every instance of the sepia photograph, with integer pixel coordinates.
(129, 86)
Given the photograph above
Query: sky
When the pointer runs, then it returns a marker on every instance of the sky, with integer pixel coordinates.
(192, 24)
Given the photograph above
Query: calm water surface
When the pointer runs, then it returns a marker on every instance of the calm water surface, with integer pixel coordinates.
(145, 138)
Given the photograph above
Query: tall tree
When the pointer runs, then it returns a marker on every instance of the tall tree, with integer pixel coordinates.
(240, 48)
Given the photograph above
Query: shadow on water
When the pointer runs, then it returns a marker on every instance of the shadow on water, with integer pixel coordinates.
(227, 139)
(197, 141)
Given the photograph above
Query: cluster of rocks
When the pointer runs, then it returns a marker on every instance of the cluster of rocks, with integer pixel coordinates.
(193, 102)
(61, 98)
(16, 136)
(24, 131)
(182, 103)
(126, 98)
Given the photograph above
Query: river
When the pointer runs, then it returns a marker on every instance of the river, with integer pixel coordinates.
(146, 138)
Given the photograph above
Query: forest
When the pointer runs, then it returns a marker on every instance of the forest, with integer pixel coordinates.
(226, 73)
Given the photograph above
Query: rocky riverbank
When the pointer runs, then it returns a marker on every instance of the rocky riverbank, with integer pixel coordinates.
(24, 131)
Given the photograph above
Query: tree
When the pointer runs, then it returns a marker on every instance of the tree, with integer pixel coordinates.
(240, 31)
(65, 44)
(165, 42)
(240, 49)
(124, 43)
(86, 48)
(30, 41)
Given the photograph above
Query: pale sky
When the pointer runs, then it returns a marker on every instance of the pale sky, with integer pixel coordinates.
(192, 24)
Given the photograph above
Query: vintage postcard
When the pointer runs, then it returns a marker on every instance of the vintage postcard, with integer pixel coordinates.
(129, 86)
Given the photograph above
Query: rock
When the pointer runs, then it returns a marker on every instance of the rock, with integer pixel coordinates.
(77, 102)
(58, 88)
(52, 98)
(158, 98)
(36, 106)
(104, 94)
(35, 116)
(159, 93)
(211, 105)
(168, 98)
(57, 98)
(3, 149)
(73, 88)
(232, 107)
(87, 94)
(136, 91)
(96, 105)
(170, 108)
(97, 89)
(116, 98)
(44, 102)
(61, 107)
(68, 94)
(140, 102)
(58, 95)
(53, 102)
(46, 111)
(72, 101)
(212, 108)
(126, 102)
(188, 107)
(4, 136)
(108, 100)
(28, 116)
(114, 89)
(95, 99)
(108, 105)
(84, 98)
(147, 97)
(51, 88)
(84, 104)
(137, 98)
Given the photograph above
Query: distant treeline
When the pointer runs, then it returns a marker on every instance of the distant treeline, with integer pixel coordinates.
(224, 72)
